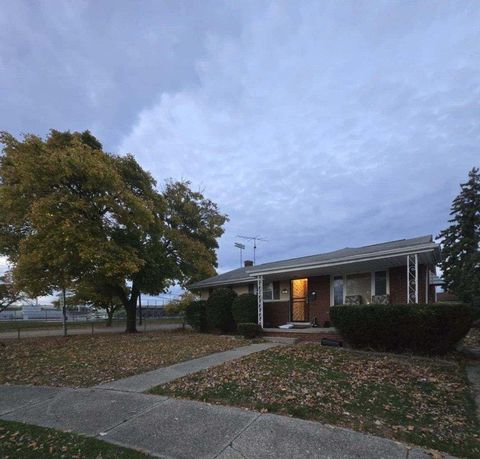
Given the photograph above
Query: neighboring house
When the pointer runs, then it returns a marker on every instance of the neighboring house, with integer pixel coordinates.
(303, 289)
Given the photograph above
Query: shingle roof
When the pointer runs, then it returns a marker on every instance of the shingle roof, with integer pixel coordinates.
(242, 274)
(237, 275)
(346, 252)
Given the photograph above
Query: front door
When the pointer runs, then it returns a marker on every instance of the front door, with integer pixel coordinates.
(299, 300)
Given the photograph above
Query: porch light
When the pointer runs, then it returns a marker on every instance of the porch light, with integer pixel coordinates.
(313, 294)
(284, 291)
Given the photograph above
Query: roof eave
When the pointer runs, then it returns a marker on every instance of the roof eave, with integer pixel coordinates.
(245, 280)
(430, 247)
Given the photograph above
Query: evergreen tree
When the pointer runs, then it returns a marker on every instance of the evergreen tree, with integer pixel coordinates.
(461, 242)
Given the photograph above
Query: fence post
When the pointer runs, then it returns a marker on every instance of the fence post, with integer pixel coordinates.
(18, 333)
(92, 327)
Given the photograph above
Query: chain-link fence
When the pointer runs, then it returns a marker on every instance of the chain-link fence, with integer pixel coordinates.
(18, 328)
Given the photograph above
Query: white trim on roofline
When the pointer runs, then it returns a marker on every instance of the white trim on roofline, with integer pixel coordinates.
(424, 248)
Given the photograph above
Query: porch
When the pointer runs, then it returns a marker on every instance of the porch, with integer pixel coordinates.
(305, 294)
(316, 334)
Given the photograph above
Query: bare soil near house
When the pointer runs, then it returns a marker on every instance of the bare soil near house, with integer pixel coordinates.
(421, 401)
(88, 360)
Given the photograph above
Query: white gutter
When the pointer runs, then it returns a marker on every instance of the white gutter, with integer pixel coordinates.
(346, 260)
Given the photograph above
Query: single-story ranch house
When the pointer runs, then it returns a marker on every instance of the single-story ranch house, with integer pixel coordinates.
(303, 289)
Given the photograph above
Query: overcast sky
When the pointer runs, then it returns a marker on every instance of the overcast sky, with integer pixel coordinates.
(317, 125)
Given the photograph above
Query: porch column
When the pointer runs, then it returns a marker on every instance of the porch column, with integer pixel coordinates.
(260, 300)
(412, 278)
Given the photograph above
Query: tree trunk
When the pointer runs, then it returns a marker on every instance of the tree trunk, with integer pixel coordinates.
(109, 317)
(64, 311)
(131, 309)
(131, 317)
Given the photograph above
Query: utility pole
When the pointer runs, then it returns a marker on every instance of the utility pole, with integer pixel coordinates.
(139, 309)
(64, 311)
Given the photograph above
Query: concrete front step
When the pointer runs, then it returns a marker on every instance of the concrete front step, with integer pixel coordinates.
(280, 339)
(303, 335)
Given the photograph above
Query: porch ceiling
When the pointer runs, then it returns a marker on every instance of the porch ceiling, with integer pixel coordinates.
(379, 264)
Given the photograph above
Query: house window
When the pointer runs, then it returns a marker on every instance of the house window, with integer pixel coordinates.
(360, 285)
(338, 290)
(251, 289)
(271, 291)
(381, 283)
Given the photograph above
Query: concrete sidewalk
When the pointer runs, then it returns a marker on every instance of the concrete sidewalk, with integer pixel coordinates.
(171, 428)
(26, 333)
(145, 381)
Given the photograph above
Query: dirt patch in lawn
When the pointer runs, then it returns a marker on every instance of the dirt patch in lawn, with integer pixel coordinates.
(426, 402)
(82, 361)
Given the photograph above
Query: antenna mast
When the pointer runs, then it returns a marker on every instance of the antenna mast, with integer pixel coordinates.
(242, 248)
(254, 239)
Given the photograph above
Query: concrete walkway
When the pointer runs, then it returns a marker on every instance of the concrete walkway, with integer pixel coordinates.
(473, 374)
(145, 381)
(171, 428)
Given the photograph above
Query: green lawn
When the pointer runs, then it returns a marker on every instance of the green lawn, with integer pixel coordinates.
(25, 441)
(425, 402)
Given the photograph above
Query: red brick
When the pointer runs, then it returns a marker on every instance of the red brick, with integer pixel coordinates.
(319, 307)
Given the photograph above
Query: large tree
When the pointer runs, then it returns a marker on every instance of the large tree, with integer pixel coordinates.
(71, 214)
(9, 294)
(461, 242)
(99, 294)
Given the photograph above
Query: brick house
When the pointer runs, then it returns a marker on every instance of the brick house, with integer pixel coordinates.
(302, 290)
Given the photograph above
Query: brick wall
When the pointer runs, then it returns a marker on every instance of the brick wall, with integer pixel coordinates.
(320, 306)
(275, 313)
(446, 296)
(398, 284)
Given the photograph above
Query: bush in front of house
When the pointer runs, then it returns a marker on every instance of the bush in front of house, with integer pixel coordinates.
(249, 330)
(219, 310)
(421, 328)
(245, 308)
(196, 315)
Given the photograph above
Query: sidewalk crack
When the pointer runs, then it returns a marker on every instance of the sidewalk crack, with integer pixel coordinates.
(135, 416)
(230, 444)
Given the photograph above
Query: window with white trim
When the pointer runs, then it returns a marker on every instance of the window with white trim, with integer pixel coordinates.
(360, 285)
(381, 283)
(338, 290)
(271, 291)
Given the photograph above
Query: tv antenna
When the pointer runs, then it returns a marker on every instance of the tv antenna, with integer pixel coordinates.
(242, 248)
(254, 239)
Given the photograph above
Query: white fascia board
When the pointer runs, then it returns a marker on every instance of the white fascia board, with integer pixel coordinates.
(348, 260)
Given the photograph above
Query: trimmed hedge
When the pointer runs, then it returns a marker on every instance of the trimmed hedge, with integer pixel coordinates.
(245, 309)
(249, 330)
(423, 328)
(196, 315)
(219, 310)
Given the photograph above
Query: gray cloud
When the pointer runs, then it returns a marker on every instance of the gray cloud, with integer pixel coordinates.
(315, 124)
(326, 126)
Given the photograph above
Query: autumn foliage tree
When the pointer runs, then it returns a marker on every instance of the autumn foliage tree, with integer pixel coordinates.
(9, 294)
(99, 294)
(71, 214)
